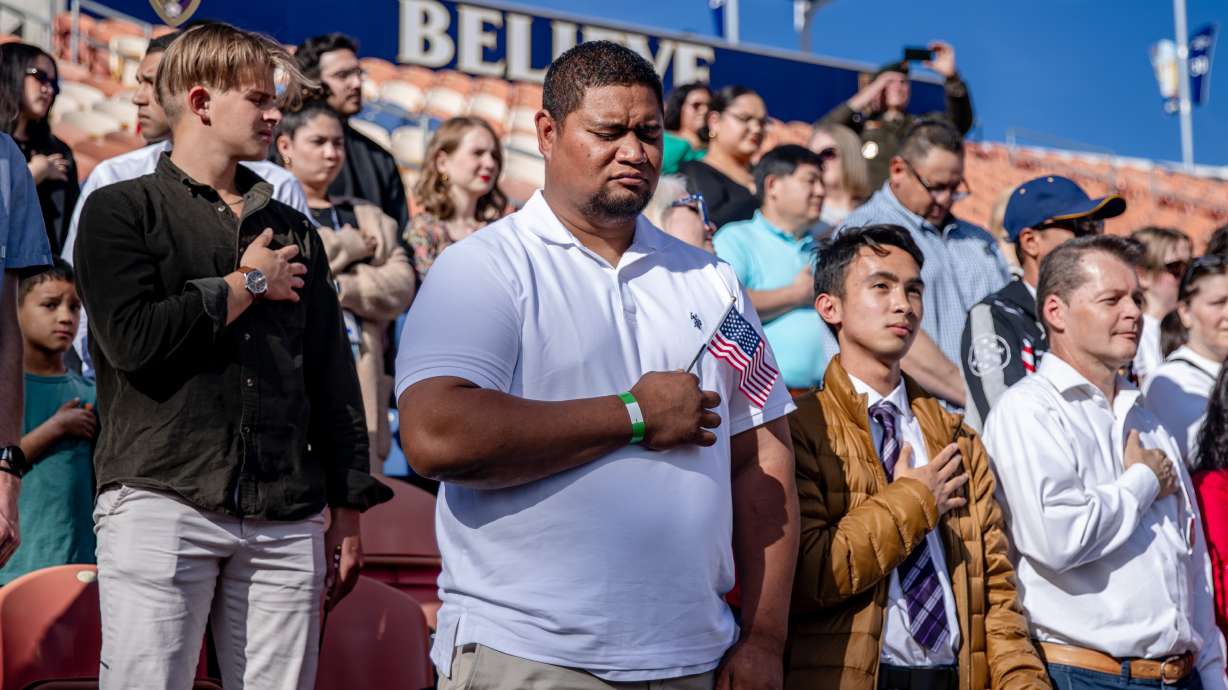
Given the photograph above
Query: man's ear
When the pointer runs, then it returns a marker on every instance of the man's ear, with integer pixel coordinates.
(199, 102)
(830, 308)
(1054, 313)
(548, 131)
(1028, 239)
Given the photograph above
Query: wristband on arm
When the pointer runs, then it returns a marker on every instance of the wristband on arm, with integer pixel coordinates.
(637, 417)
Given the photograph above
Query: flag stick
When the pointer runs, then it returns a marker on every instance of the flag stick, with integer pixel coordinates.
(712, 333)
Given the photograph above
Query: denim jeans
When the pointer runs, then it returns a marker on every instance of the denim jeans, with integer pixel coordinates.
(1071, 678)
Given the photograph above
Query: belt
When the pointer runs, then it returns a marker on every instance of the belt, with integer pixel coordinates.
(908, 678)
(1168, 671)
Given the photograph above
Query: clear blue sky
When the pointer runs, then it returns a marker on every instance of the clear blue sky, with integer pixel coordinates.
(1073, 69)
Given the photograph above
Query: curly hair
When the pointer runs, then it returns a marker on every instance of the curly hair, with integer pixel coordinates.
(432, 189)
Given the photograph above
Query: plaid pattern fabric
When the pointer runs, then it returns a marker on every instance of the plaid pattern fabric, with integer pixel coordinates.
(927, 618)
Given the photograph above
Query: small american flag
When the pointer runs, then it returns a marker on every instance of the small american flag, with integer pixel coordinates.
(737, 342)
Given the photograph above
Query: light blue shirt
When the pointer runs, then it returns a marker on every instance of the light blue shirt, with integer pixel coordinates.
(765, 257)
(23, 237)
(962, 265)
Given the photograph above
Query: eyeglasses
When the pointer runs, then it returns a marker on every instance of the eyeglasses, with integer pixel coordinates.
(347, 74)
(954, 190)
(45, 79)
(1198, 268)
(827, 154)
(696, 203)
(1079, 226)
(747, 119)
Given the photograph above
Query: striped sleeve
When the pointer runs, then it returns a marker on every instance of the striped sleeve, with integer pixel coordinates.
(990, 355)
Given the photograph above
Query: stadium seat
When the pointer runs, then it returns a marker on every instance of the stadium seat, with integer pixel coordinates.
(121, 109)
(51, 633)
(376, 638)
(409, 97)
(80, 92)
(373, 132)
(409, 145)
(399, 548)
(92, 122)
(126, 53)
(525, 166)
(522, 119)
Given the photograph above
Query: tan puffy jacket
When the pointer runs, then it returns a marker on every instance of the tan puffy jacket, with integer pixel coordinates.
(857, 528)
(377, 292)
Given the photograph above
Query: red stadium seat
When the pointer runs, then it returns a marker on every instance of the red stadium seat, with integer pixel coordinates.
(375, 638)
(51, 631)
(399, 548)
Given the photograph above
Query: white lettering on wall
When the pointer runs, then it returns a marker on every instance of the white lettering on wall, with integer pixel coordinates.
(473, 38)
(424, 34)
(520, 50)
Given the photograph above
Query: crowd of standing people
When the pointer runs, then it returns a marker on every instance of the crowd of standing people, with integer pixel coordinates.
(701, 415)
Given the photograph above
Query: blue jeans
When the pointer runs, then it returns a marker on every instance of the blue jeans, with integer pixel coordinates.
(1071, 678)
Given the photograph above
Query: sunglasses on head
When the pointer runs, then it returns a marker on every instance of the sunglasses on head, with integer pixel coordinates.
(1202, 266)
(43, 78)
(1176, 269)
(696, 202)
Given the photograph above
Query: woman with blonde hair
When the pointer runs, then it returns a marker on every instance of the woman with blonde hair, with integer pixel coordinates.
(372, 271)
(458, 191)
(846, 180)
(1166, 255)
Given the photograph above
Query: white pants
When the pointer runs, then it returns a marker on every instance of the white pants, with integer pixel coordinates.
(165, 567)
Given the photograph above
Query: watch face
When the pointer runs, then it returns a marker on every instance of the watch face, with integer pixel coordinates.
(255, 282)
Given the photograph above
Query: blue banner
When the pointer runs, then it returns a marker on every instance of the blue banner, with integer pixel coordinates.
(1202, 48)
(517, 42)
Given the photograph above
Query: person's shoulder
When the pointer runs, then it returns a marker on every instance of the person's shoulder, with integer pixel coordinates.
(969, 229)
(127, 190)
(1029, 392)
(270, 172)
(290, 216)
(869, 213)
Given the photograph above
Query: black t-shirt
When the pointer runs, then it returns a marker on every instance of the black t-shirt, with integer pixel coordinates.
(727, 200)
(336, 216)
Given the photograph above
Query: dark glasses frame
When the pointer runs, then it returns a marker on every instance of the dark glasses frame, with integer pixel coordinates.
(1203, 266)
(695, 201)
(1079, 226)
(43, 78)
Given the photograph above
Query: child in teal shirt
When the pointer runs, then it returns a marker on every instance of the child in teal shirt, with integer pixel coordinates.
(57, 496)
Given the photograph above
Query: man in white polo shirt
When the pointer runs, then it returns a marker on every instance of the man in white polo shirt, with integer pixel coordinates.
(1111, 559)
(583, 547)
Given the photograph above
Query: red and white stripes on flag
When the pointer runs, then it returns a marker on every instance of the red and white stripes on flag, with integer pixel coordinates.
(1028, 356)
(736, 342)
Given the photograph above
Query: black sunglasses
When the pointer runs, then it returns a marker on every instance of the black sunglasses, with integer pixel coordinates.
(1079, 226)
(1198, 268)
(44, 79)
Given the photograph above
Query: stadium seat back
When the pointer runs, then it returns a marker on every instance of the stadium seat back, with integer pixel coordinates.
(376, 638)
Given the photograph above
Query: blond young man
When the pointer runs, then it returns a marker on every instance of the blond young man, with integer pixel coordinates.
(231, 411)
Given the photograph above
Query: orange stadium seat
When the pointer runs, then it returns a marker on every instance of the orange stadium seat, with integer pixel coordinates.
(399, 547)
(376, 638)
(50, 631)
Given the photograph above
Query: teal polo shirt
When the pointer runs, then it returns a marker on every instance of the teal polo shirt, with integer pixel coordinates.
(767, 258)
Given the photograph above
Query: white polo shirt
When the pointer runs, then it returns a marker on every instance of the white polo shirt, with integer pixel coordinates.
(619, 566)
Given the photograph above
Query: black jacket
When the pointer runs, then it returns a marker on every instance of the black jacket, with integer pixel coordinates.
(260, 418)
(1003, 341)
(370, 173)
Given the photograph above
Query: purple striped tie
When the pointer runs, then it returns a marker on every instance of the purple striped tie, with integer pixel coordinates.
(927, 615)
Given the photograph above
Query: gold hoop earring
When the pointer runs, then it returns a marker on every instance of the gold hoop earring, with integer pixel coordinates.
(443, 177)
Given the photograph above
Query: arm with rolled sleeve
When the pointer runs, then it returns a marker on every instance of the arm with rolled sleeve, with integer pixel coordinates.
(1056, 520)
(135, 325)
(338, 428)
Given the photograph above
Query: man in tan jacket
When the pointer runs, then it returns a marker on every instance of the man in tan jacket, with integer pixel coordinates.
(903, 580)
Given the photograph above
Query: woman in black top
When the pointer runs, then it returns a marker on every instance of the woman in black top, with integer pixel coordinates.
(29, 83)
(737, 119)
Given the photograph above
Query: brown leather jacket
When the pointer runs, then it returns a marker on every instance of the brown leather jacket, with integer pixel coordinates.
(857, 528)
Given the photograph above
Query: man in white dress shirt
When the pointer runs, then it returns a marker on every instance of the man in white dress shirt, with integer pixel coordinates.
(156, 129)
(1112, 562)
(595, 499)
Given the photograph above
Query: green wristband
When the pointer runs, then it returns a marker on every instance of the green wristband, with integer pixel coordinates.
(637, 417)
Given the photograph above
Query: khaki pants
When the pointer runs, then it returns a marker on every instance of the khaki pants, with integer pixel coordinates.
(165, 568)
(476, 667)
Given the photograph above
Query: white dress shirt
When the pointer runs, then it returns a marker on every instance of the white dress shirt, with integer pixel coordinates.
(1101, 563)
(617, 566)
(1177, 394)
(143, 161)
(899, 648)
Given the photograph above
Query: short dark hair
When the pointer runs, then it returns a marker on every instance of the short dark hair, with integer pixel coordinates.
(721, 100)
(159, 44)
(59, 270)
(1218, 244)
(675, 100)
(927, 135)
(1061, 272)
(782, 161)
(308, 52)
(836, 255)
(294, 118)
(593, 65)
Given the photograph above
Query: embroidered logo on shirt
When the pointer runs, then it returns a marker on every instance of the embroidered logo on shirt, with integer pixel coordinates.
(699, 325)
(989, 353)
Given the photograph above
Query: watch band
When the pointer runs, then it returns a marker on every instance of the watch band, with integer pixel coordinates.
(13, 461)
(637, 416)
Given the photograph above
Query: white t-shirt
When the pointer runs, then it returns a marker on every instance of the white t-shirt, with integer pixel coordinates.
(1149, 355)
(619, 566)
(1177, 393)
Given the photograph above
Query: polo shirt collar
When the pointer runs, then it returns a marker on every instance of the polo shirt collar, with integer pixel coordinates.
(1064, 378)
(1208, 365)
(543, 222)
(761, 221)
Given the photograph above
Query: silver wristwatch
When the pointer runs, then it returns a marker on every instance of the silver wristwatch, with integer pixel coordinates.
(254, 281)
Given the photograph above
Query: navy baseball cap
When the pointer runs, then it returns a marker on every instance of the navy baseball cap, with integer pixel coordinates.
(1054, 198)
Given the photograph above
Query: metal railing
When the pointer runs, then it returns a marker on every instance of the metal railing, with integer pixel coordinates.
(101, 10)
(35, 20)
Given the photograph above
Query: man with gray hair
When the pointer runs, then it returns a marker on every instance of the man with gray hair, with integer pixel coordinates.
(1111, 559)
(596, 495)
(962, 261)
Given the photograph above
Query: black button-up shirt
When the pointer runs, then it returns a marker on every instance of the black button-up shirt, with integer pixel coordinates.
(260, 418)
